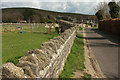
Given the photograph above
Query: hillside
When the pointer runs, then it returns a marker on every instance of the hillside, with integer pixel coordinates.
(38, 15)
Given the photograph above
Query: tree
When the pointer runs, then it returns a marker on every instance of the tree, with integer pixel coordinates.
(42, 19)
(114, 9)
(104, 9)
(99, 15)
(50, 19)
(27, 14)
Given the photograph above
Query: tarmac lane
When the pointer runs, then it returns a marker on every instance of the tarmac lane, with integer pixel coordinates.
(105, 48)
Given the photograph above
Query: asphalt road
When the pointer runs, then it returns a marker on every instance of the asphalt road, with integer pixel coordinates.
(105, 48)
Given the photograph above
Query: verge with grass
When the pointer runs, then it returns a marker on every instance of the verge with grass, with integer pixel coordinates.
(75, 60)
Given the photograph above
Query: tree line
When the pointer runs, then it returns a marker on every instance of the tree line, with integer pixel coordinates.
(28, 15)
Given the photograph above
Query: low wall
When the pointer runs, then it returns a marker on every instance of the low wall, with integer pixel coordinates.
(110, 26)
(63, 25)
(46, 62)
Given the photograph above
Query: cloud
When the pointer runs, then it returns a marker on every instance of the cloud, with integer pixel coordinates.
(72, 6)
(20, 4)
(53, 0)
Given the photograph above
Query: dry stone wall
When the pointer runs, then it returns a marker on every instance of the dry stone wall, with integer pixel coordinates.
(63, 25)
(46, 62)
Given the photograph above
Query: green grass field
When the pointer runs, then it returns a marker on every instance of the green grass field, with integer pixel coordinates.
(15, 44)
(27, 28)
(75, 60)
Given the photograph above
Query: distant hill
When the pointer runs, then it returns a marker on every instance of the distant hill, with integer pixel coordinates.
(38, 15)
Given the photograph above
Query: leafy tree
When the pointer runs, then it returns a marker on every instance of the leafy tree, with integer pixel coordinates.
(99, 15)
(114, 9)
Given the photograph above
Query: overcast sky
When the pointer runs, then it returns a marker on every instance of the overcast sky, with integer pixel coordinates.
(72, 6)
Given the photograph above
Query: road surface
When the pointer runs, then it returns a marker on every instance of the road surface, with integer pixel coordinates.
(105, 48)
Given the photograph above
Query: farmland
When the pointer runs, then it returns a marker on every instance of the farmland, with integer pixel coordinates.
(15, 44)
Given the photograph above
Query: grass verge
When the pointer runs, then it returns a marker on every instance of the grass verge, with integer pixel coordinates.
(75, 60)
